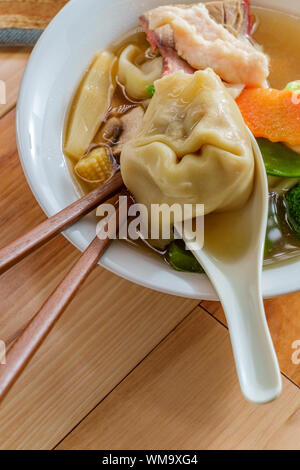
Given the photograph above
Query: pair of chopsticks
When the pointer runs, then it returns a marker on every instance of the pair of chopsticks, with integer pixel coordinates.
(41, 324)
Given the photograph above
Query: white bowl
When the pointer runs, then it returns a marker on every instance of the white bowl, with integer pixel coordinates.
(55, 68)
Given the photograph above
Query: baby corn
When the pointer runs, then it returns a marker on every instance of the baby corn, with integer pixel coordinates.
(96, 167)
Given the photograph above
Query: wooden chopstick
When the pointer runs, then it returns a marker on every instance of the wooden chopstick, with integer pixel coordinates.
(21, 247)
(41, 324)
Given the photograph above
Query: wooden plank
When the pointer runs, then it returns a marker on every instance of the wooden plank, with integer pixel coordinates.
(28, 13)
(108, 329)
(283, 316)
(23, 288)
(12, 64)
(185, 395)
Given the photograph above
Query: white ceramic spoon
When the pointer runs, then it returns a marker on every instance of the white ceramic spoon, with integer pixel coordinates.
(232, 257)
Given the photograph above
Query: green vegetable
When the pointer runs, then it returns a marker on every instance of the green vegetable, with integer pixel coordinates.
(294, 86)
(151, 90)
(182, 259)
(279, 159)
(292, 202)
(274, 233)
(268, 247)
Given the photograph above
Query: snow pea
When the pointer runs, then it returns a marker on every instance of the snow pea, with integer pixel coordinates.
(279, 159)
(182, 259)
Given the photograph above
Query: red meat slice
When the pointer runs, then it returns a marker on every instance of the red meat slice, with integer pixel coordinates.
(234, 15)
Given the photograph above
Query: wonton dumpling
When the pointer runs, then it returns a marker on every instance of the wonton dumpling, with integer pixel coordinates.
(193, 146)
(136, 78)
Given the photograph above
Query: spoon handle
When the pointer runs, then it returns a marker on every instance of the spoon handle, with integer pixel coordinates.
(241, 297)
(254, 353)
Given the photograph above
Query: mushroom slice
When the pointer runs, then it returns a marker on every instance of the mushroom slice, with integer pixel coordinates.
(111, 130)
(131, 122)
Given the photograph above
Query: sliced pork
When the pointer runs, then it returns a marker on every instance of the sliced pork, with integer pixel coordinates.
(212, 35)
(234, 15)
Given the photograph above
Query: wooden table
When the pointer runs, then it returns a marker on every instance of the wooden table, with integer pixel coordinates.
(126, 367)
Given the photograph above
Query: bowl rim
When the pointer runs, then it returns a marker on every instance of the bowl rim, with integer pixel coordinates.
(278, 280)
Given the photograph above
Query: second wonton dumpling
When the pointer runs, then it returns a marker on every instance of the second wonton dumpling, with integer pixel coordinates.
(193, 146)
(137, 77)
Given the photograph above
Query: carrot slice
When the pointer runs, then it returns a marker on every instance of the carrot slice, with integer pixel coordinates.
(273, 114)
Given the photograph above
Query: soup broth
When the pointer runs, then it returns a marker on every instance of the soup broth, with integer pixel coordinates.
(278, 33)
